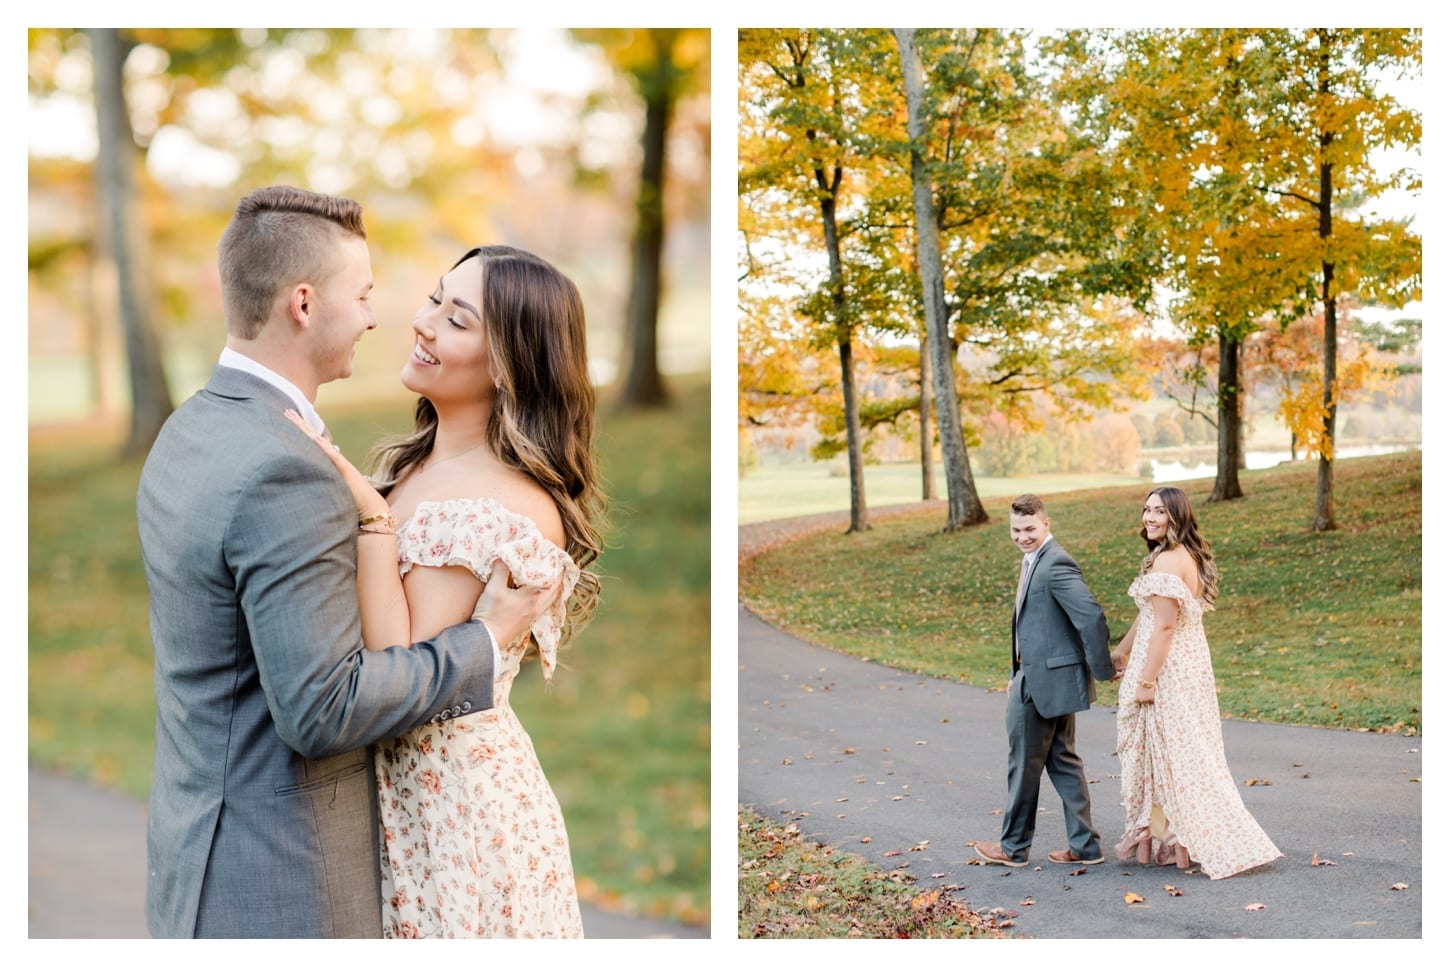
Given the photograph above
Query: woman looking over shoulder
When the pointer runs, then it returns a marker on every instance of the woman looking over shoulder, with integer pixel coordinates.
(1176, 785)
(497, 480)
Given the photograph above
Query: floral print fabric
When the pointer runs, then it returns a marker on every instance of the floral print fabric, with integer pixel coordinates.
(473, 840)
(1171, 751)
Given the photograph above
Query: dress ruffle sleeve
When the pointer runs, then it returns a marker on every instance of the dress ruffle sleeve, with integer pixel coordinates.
(1164, 585)
(477, 533)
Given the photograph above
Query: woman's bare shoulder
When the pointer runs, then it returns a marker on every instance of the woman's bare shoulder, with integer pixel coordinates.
(1179, 562)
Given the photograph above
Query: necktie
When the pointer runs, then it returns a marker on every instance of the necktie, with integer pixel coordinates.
(1022, 580)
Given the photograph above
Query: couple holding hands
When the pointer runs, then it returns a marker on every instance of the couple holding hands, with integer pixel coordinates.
(1182, 807)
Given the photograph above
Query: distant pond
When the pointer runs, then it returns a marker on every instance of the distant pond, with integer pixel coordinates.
(1167, 471)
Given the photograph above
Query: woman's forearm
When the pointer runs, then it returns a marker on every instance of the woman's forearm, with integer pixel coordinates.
(380, 598)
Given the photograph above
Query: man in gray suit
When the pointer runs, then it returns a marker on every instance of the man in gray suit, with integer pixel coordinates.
(263, 815)
(1059, 645)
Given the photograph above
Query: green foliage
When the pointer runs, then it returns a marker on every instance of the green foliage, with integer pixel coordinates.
(1310, 629)
(623, 731)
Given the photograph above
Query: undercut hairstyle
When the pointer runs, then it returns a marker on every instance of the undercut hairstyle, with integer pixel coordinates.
(277, 238)
(1029, 505)
(542, 420)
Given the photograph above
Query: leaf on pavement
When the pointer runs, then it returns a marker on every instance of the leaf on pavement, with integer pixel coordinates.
(894, 852)
(1316, 861)
(1255, 906)
(1172, 890)
(865, 839)
(1257, 782)
(1400, 886)
(1131, 898)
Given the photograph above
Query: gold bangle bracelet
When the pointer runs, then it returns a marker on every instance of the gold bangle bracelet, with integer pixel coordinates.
(377, 518)
(1147, 684)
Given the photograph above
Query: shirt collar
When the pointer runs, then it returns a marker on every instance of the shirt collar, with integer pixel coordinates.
(235, 360)
(1032, 557)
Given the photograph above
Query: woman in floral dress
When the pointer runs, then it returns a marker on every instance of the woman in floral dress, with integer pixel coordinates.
(497, 481)
(1181, 801)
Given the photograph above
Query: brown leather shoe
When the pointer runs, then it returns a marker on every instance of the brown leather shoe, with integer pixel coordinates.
(1068, 856)
(992, 853)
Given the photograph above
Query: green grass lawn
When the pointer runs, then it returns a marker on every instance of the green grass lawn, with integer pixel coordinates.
(1310, 629)
(623, 731)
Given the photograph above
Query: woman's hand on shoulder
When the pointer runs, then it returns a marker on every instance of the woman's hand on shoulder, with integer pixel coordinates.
(368, 500)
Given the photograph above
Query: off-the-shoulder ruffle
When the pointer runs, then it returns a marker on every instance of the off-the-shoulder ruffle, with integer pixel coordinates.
(1165, 585)
(475, 533)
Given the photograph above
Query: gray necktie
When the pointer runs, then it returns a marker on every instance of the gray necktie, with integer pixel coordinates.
(1022, 581)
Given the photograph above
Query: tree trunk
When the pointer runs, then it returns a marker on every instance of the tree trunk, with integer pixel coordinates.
(1324, 498)
(829, 188)
(928, 470)
(855, 460)
(1230, 420)
(964, 508)
(643, 385)
(150, 395)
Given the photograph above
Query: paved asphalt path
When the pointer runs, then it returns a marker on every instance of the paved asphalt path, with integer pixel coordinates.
(848, 749)
(88, 869)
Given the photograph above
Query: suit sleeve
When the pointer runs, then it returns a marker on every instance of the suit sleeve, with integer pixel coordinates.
(291, 547)
(1072, 595)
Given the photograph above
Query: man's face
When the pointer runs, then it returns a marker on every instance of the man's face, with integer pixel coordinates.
(342, 313)
(1029, 531)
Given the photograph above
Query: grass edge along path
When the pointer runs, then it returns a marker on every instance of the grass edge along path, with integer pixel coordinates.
(791, 887)
(1309, 629)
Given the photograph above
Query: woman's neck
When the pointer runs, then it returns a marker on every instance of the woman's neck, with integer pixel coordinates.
(460, 429)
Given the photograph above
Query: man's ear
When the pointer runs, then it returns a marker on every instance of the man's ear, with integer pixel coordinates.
(300, 302)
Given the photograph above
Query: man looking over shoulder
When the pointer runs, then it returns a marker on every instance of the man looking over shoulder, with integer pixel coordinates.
(1059, 645)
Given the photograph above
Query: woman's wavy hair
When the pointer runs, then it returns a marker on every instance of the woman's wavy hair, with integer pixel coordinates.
(1182, 531)
(542, 420)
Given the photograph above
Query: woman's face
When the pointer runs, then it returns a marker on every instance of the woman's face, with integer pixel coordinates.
(450, 360)
(1155, 518)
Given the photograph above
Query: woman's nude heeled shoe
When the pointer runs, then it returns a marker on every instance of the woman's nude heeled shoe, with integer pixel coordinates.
(1172, 853)
(1138, 843)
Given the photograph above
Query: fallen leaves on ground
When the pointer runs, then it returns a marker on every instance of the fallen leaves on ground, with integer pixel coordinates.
(1172, 890)
(1257, 782)
(1131, 898)
(1316, 861)
(1255, 906)
(1400, 886)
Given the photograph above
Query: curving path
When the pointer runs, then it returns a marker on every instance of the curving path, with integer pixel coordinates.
(849, 749)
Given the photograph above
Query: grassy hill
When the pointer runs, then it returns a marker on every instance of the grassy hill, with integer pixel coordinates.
(1310, 629)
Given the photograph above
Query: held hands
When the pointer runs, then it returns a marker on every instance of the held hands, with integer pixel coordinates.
(369, 501)
(508, 610)
(1120, 662)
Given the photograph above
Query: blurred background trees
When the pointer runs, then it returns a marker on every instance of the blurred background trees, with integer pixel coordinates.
(588, 147)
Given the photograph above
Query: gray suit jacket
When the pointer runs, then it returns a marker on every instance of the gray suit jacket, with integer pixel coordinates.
(263, 815)
(1062, 636)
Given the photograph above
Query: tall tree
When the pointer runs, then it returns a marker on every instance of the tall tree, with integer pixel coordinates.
(1019, 242)
(964, 507)
(662, 64)
(800, 108)
(121, 240)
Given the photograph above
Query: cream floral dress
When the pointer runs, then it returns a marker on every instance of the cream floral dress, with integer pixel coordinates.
(473, 841)
(1176, 781)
